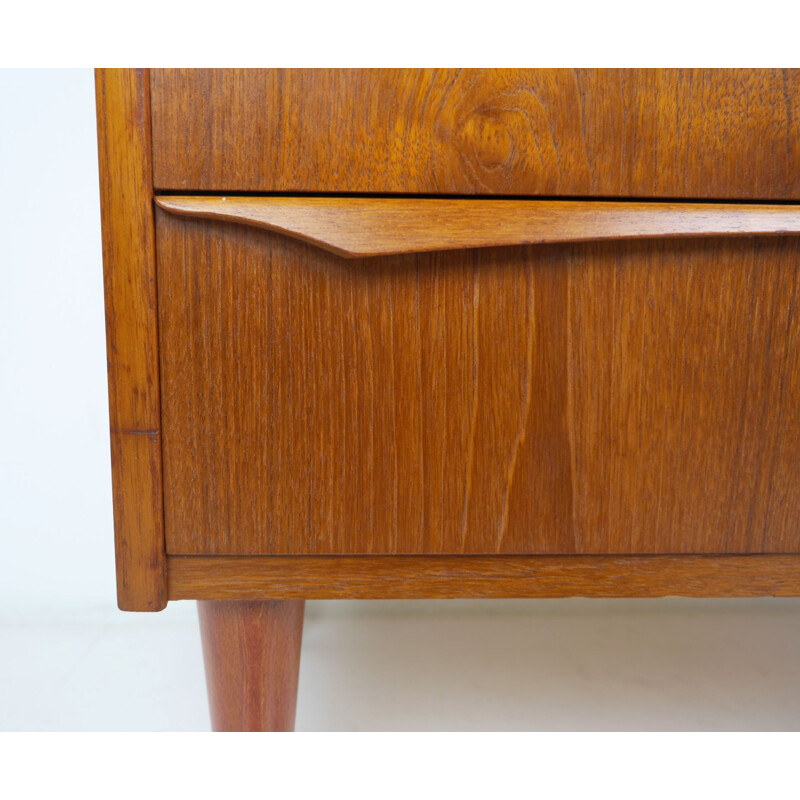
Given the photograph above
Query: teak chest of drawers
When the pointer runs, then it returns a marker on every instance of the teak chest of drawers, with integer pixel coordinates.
(446, 333)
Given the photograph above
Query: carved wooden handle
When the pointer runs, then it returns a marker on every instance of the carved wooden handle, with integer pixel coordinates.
(358, 227)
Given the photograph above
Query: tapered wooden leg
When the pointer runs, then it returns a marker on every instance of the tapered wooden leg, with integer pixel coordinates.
(252, 656)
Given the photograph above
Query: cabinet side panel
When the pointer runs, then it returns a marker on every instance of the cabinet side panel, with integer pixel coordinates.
(123, 121)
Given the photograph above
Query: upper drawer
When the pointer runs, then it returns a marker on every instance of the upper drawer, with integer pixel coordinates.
(721, 134)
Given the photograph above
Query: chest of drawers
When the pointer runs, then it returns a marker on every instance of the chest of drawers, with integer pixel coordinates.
(446, 333)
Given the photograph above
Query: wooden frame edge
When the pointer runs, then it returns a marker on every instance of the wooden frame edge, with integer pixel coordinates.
(129, 276)
(406, 577)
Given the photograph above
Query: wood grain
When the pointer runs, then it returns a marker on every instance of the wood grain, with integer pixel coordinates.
(398, 577)
(358, 227)
(123, 122)
(627, 397)
(252, 658)
(699, 133)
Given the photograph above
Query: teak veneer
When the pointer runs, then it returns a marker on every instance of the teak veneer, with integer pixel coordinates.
(542, 342)
(634, 397)
(626, 133)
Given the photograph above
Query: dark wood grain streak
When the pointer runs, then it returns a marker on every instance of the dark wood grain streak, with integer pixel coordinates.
(618, 397)
(362, 227)
(126, 197)
(252, 657)
(398, 577)
(697, 133)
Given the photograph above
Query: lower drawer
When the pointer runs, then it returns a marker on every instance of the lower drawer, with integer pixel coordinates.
(617, 397)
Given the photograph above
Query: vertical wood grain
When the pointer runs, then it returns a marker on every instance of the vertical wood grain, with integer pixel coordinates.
(687, 423)
(252, 659)
(628, 397)
(123, 119)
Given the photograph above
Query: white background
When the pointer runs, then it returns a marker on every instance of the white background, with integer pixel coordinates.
(70, 661)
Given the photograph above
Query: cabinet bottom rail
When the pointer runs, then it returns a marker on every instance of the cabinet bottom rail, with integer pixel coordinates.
(399, 577)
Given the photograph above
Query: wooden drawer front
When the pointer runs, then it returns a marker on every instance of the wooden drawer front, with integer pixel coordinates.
(614, 397)
(606, 133)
